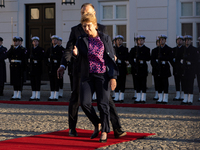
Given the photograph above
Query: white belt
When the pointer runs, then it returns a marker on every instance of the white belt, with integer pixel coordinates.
(17, 61)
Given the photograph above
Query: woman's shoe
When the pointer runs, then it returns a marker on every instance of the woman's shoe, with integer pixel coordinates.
(103, 140)
(96, 132)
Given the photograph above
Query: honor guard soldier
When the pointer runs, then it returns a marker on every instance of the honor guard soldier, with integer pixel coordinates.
(161, 69)
(17, 57)
(155, 77)
(177, 70)
(198, 67)
(3, 56)
(53, 58)
(35, 58)
(60, 95)
(122, 57)
(138, 58)
(189, 63)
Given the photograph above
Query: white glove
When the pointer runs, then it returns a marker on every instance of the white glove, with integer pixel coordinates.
(141, 61)
(174, 59)
(119, 61)
(163, 62)
(156, 60)
(29, 60)
(181, 61)
(134, 59)
(35, 61)
(188, 63)
(49, 59)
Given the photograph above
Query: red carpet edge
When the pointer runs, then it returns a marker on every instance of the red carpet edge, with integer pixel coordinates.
(117, 105)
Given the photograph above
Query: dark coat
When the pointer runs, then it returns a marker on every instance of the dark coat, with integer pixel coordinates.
(139, 53)
(191, 55)
(83, 63)
(17, 69)
(3, 56)
(35, 54)
(161, 54)
(122, 55)
(198, 62)
(76, 31)
(54, 54)
(176, 60)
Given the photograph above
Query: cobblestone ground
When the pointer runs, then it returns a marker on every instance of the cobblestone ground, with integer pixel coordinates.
(177, 129)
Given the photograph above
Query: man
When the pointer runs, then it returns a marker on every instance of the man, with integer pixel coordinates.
(122, 57)
(198, 67)
(3, 56)
(60, 95)
(53, 58)
(161, 69)
(17, 57)
(76, 31)
(138, 58)
(177, 70)
(189, 63)
(35, 58)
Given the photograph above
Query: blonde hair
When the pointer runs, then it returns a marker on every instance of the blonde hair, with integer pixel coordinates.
(89, 18)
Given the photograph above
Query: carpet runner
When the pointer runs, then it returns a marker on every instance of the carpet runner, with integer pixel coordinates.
(95, 104)
(61, 141)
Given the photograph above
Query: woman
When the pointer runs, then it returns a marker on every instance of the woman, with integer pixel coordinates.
(98, 72)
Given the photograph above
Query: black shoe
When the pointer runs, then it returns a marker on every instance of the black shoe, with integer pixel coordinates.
(17, 99)
(103, 141)
(143, 102)
(137, 102)
(155, 98)
(134, 97)
(37, 99)
(95, 134)
(175, 99)
(183, 103)
(59, 96)
(49, 99)
(159, 102)
(13, 98)
(121, 101)
(190, 103)
(116, 101)
(119, 133)
(164, 102)
(30, 99)
(73, 133)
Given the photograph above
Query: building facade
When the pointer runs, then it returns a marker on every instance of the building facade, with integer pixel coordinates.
(43, 18)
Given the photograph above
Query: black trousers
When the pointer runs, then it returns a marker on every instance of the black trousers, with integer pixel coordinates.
(156, 83)
(134, 81)
(1, 88)
(121, 82)
(163, 84)
(101, 84)
(74, 106)
(141, 84)
(36, 82)
(60, 83)
(188, 85)
(71, 81)
(178, 82)
(54, 83)
(198, 81)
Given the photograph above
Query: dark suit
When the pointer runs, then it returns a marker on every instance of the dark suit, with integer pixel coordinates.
(198, 68)
(161, 69)
(36, 56)
(122, 56)
(3, 56)
(17, 68)
(98, 82)
(77, 31)
(140, 69)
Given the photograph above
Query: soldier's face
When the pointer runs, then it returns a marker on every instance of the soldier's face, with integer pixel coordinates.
(157, 43)
(162, 41)
(59, 42)
(87, 9)
(1, 42)
(54, 41)
(141, 42)
(119, 42)
(179, 41)
(188, 42)
(16, 43)
(35, 42)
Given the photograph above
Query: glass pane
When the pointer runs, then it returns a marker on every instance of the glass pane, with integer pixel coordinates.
(107, 12)
(109, 31)
(186, 9)
(198, 8)
(198, 32)
(121, 11)
(187, 29)
(34, 13)
(49, 13)
(121, 30)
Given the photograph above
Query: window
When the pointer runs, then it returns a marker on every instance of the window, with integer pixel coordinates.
(187, 29)
(198, 31)
(49, 13)
(114, 16)
(34, 13)
(186, 9)
(198, 8)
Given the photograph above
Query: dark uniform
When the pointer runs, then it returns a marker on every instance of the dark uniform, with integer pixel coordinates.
(36, 56)
(160, 58)
(198, 70)
(177, 69)
(17, 56)
(138, 59)
(3, 56)
(189, 62)
(53, 58)
(122, 57)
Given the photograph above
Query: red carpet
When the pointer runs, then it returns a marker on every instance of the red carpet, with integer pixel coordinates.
(61, 141)
(117, 105)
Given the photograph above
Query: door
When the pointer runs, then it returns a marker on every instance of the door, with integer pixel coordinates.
(40, 21)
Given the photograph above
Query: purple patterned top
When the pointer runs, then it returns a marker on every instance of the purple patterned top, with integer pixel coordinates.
(95, 55)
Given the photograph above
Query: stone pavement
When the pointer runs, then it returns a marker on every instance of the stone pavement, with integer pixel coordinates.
(175, 128)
